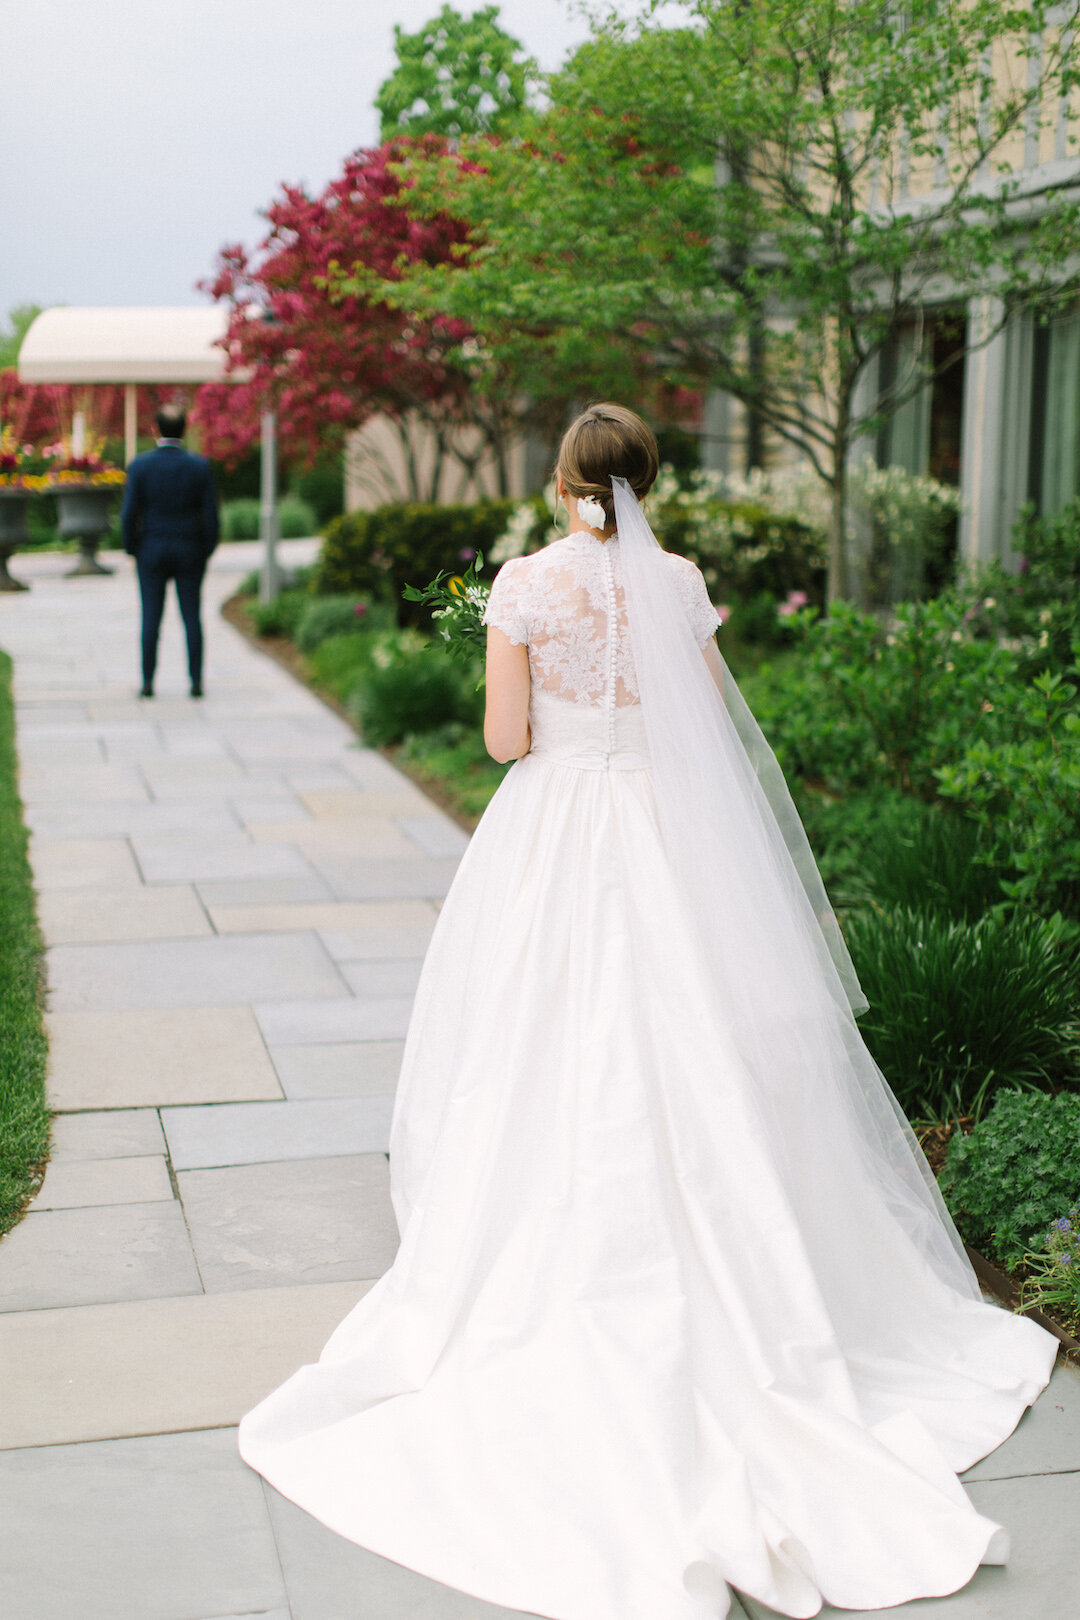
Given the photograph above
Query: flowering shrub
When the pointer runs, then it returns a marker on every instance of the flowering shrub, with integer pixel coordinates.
(1037, 609)
(1053, 1270)
(85, 466)
(906, 521)
(14, 457)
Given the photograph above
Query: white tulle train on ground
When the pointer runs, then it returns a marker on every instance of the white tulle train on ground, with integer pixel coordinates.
(635, 1348)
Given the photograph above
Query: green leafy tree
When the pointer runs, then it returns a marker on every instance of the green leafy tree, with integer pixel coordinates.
(456, 76)
(767, 201)
(19, 321)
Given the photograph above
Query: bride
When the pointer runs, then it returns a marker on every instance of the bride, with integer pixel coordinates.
(677, 1306)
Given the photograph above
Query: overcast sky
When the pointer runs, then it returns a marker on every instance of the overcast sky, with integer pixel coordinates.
(138, 138)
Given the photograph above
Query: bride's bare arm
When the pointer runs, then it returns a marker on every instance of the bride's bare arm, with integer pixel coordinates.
(712, 659)
(506, 712)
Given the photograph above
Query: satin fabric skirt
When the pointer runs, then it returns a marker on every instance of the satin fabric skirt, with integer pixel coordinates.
(608, 1376)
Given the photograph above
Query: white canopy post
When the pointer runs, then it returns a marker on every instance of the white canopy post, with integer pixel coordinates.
(131, 422)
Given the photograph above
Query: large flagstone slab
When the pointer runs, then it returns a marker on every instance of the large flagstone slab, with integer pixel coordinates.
(436, 835)
(60, 784)
(167, 1527)
(254, 1133)
(217, 857)
(372, 839)
(355, 878)
(300, 1221)
(123, 819)
(1047, 1438)
(360, 804)
(265, 891)
(95, 1372)
(1040, 1515)
(75, 1184)
(329, 1578)
(370, 769)
(376, 919)
(115, 1133)
(294, 1023)
(345, 1069)
(382, 976)
(191, 972)
(83, 917)
(142, 1057)
(89, 1256)
(83, 863)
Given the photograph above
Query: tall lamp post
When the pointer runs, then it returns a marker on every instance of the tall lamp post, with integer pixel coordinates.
(269, 521)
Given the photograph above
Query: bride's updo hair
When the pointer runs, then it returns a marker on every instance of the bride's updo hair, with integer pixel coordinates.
(603, 442)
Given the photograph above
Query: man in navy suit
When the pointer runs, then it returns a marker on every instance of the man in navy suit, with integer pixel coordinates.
(170, 525)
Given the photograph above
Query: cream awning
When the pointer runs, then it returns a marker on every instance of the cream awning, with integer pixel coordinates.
(124, 345)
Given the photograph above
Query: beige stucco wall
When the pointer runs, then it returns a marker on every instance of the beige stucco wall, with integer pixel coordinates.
(387, 461)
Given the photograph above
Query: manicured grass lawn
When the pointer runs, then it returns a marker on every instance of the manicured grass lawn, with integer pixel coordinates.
(24, 1116)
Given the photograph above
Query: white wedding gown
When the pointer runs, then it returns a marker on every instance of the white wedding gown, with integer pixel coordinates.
(627, 1355)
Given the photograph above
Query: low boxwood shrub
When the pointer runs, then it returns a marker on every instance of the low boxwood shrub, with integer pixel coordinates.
(240, 519)
(378, 553)
(959, 1010)
(281, 616)
(1017, 1170)
(409, 685)
(326, 616)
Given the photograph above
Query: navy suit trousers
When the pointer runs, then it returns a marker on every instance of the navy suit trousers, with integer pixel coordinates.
(156, 568)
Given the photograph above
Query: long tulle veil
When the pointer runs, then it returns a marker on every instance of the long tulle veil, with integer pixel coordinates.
(765, 925)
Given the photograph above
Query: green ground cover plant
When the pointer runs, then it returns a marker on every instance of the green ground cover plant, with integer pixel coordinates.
(24, 1115)
(1015, 1173)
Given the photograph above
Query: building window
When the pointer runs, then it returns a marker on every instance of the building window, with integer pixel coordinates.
(1054, 462)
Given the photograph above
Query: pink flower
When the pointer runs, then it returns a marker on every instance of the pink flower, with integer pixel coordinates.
(723, 612)
(360, 609)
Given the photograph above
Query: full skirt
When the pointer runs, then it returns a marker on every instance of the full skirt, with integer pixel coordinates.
(625, 1359)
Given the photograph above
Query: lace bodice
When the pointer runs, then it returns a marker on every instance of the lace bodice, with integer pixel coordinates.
(567, 604)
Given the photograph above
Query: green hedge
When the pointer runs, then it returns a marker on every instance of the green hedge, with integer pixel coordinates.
(24, 1116)
(378, 553)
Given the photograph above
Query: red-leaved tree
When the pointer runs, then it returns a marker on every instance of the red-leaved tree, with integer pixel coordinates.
(328, 363)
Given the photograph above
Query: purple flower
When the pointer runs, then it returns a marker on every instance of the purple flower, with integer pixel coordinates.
(360, 609)
(1024, 565)
(467, 554)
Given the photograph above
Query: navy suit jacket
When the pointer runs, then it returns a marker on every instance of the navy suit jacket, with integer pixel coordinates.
(170, 505)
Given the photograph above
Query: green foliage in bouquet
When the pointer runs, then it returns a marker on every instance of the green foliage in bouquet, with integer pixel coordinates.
(457, 603)
(958, 1009)
(1015, 1173)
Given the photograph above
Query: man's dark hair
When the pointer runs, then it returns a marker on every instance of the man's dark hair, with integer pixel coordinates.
(171, 421)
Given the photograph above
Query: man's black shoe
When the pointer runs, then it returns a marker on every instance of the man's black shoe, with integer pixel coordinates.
(196, 689)
(147, 691)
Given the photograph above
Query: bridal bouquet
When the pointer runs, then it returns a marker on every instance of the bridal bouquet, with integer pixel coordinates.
(459, 601)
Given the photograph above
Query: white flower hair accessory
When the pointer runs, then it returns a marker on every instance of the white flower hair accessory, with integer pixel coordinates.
(591, 512)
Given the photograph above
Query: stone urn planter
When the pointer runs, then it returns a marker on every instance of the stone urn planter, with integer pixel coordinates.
(84, 512)
(14, 504)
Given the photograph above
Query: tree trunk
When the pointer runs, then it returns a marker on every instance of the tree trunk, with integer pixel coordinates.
(837, 586)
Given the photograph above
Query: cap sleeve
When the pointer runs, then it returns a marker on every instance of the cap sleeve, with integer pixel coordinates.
(703, 617)
(504, 608)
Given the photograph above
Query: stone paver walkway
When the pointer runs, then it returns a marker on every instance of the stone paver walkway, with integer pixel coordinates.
(236, 899)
